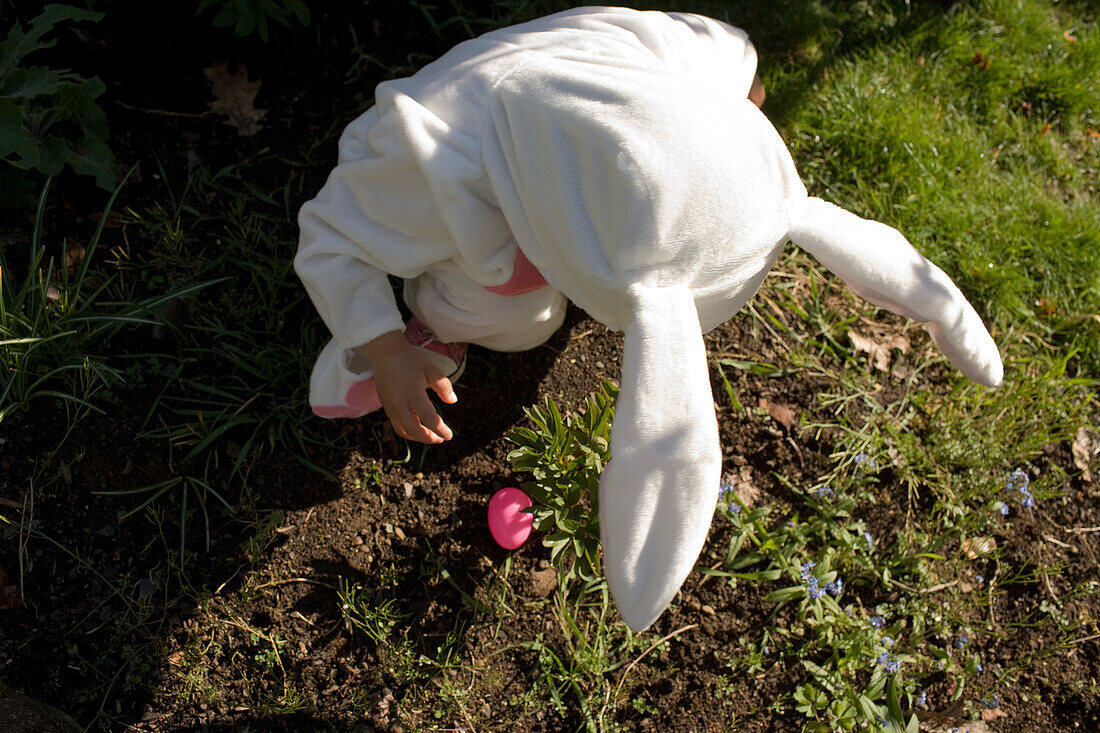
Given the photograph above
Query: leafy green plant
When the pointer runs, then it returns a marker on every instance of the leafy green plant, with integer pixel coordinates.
(49, 118)
(246, 17)
(857, 675)
(56, 322)
(565, 457)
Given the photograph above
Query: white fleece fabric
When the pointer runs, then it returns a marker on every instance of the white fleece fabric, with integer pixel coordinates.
(617, 150)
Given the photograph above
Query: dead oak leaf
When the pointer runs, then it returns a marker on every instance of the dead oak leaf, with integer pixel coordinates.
(878, 348)
(234, 97)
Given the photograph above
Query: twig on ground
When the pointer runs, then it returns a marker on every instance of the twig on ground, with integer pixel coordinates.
(932, 589)
(654, 645)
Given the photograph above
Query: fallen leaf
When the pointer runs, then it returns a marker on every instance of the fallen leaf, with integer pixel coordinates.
(234, 97)
(113, 220)
(981, 61)
(993, 713)
(745, 490)
(1086, 446)
(878, 349)
(933, 722)
(780, 413)
(10, 597)
(977, 546)
(1070, 38)
(74, 253)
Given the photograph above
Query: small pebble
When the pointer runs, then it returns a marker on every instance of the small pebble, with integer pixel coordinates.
(708, 609)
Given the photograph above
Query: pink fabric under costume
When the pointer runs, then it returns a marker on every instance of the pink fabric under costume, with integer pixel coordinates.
(342, 385)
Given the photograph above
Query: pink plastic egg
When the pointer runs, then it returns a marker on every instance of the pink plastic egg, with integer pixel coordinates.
(508, 523)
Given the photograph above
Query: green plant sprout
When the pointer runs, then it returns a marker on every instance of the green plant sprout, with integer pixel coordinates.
(49, 118)
(56, 322)
(565, 457)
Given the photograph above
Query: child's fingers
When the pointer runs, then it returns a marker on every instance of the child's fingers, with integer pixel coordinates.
(442, 387)
(430, 420)
(409, 426)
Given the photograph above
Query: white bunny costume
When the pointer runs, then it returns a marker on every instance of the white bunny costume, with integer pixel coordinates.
(613, 154)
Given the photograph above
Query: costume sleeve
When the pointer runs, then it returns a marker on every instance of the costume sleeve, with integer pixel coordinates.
(381, 212)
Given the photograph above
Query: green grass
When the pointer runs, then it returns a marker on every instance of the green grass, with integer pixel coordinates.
(976, 136)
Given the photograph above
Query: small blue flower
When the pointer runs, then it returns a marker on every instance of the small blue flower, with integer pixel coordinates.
(980, 667)
(834, 587)
(864, 459)
(1019, 480)
(962, 641)
(726, 492)
(922, 699)
(888, 663)
(765, 650)
(979, 579)
(822, 491)
(807, 569)
(869, 539)
(1028, 501)
(878, 621)
(813, 588)
(887, 641)
(1004, 508)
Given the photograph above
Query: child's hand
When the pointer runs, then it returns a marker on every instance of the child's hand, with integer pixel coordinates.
(402, 376)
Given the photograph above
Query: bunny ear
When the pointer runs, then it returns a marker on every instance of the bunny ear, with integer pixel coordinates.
(658, 491)
(880, 265)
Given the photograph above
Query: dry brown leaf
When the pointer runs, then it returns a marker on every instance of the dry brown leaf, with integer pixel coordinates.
(113, 220)
(975, 547)
(933, 722)
(993, 713)
(1086, 446)
(740, 486)
(780, 413)
(234, 97)
(878, 349)
(10, 597)
(74, 254)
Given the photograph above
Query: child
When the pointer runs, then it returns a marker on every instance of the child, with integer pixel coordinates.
(612, 157)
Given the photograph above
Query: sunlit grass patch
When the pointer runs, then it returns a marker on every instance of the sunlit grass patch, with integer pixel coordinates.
(976, 136)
